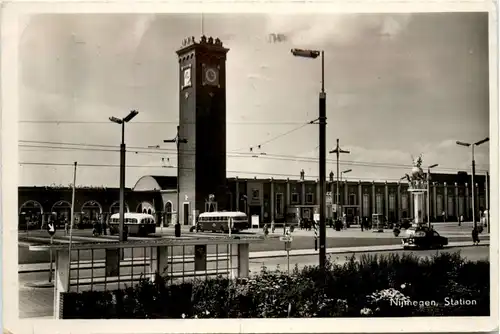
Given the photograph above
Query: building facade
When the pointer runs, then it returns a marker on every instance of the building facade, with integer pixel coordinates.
(269, 199)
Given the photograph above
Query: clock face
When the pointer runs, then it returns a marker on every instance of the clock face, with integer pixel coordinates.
(211, 75)
(187, 77)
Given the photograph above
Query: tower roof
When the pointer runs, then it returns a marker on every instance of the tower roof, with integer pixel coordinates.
(208, 43)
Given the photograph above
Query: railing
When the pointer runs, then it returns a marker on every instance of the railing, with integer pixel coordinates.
(88, 267)
(114, 265)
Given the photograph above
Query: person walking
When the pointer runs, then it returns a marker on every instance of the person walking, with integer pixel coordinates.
(475, 236)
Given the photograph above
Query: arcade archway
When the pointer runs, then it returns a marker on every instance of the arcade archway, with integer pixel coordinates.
(91, 212)
(30, 214)
(115, 208)
(62, 210)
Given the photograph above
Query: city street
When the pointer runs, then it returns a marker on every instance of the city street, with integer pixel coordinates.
(302, 239)
(38, 302)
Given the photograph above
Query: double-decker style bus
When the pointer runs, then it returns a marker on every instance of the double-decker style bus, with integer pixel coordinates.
(220, 221)
(135, 223)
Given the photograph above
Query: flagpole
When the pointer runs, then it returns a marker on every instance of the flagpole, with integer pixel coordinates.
(72, 214)
(202, 25)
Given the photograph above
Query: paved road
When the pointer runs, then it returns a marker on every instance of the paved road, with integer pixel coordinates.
(471, 253)
(38, 302)
(301, 240)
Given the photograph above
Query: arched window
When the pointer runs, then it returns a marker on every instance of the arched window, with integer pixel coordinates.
(115, 207)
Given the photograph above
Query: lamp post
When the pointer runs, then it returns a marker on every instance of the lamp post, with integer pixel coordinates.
(429, 194)
(122, 121)
(322, 150)
(344, 172)
(177, 140)
(337, 151)
(461, 143)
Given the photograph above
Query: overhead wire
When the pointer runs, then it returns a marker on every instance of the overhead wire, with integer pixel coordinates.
(173, 153)
(57, 164)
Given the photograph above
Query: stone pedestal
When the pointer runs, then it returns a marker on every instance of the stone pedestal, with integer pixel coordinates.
(418, 205)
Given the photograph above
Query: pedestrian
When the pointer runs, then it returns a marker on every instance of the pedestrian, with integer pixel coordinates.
(66, 226)
(266, 230)
(361, 222)
(475, 236)
(460, 220)
(272, 227)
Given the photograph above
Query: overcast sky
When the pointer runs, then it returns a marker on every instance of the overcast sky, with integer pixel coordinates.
(397, 85)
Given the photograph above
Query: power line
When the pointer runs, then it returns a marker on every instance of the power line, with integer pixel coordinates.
(173, 153)
(50, 164)
(158, 122)
(280, 135)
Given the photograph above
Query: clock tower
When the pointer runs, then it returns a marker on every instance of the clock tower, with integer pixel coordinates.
(202, 121)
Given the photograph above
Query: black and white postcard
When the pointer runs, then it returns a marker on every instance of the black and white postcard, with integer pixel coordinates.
(300, 168)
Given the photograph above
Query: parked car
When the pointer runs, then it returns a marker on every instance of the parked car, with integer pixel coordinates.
(424, 239)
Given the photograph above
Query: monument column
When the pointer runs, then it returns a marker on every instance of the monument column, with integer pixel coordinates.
(412, 209)
(467, 205)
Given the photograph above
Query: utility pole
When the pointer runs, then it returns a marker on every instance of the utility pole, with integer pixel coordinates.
(322, 166)
(177, 140)
(337, 151)
(313, 54)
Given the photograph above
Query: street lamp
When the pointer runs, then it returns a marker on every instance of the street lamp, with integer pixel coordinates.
(337, 151)
(177, 140)
(344, 172)
(322, 150)
(461, 143)
(429, 194)
(122, 121)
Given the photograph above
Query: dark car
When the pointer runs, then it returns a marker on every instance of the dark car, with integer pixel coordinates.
(424, 239)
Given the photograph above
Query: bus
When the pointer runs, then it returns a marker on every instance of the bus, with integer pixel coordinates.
(219, 221)
(135, 223)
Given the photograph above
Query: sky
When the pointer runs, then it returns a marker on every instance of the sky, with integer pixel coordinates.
(398, 86)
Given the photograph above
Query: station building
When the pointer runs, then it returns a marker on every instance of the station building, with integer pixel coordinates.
(269, 199)
(202, 175)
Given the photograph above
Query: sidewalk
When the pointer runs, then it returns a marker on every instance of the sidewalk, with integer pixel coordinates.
(40, 267)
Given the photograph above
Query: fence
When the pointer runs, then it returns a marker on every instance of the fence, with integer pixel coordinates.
(114, 265)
